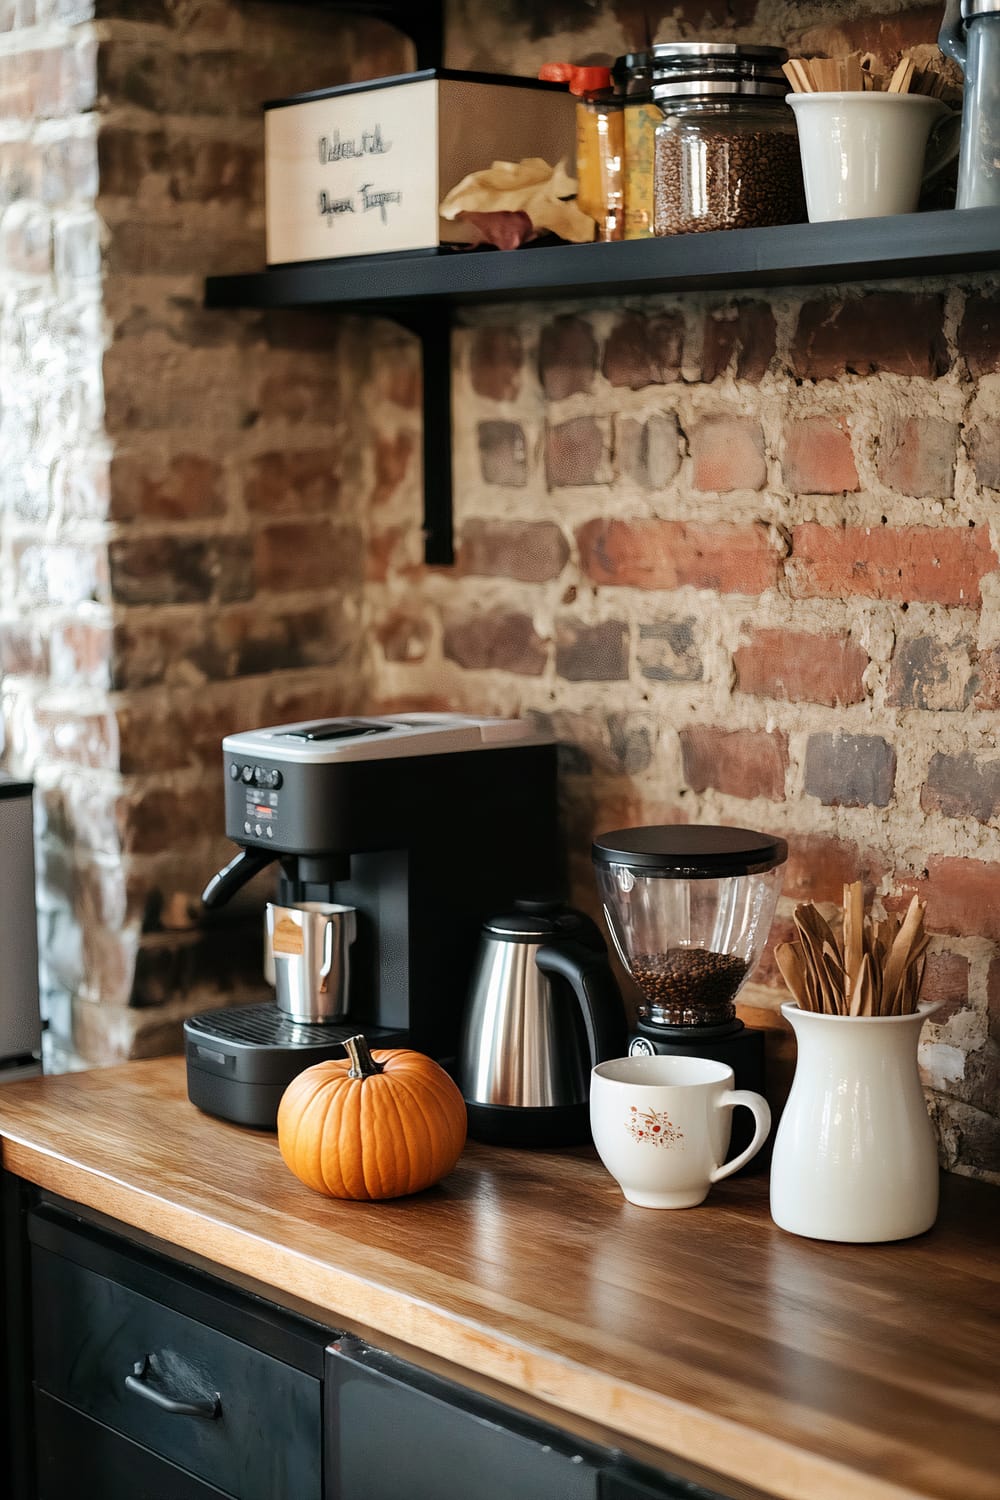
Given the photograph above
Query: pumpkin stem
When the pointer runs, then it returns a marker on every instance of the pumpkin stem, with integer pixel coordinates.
(363, 1065)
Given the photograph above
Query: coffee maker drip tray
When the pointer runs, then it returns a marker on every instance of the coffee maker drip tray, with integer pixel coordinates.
(241, 1059)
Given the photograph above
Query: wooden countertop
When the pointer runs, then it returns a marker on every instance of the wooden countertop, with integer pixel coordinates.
(811, 1370)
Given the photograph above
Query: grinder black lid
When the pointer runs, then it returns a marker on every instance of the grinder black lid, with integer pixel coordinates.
(690, 852)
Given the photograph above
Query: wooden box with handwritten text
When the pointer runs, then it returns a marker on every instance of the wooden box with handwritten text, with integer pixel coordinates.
(361, 169)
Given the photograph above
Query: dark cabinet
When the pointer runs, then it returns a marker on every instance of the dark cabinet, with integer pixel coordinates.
(395, 1430)
(152, 1381)
(145, 1379)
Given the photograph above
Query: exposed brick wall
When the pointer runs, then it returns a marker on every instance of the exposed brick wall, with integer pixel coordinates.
(182, 528)
(736, 551)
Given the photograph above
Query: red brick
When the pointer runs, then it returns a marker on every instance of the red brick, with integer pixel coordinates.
(249, 641)
(917, 457)
(404, 635)
(530, 551)
(819, 865)
(668, 650)
(819, 459)
(728, 454)
(495, 360)
(741, 338)
(740, 762)
(983, 443)
(392, 456)
(24, 649)
(307, 555)
(962, 786)
(898, 332)
(673, 554)
(946, 980)
(987, 679)
(850, 770)
(927, 673)
(798, 667)
(979, 334)
(573, 453)
(179, 570)
(159, 817)
(503, 453)
(647, 453)
(934, 565)
(495, 641)
(962, 896)
(80, 653)
(567, 357)
(643, 351)
(184, 488)
(293, 481)
(592, 653)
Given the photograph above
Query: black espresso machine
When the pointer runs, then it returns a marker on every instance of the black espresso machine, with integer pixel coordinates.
(425, 825)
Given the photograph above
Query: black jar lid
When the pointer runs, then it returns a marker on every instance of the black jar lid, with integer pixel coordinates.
(690, 852)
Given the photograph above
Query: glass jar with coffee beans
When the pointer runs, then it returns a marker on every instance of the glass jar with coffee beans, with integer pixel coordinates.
(726, 153)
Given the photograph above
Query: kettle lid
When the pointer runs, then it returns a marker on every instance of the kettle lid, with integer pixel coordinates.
(535, 921)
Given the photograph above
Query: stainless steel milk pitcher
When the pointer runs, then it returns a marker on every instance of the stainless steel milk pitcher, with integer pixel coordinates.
(310, 945)
(970, 33)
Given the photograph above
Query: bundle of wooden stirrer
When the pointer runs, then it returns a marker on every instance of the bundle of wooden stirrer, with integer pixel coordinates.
(874, 969)
(837, 75)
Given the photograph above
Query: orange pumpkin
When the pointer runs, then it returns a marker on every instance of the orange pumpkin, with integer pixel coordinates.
(371, 1125)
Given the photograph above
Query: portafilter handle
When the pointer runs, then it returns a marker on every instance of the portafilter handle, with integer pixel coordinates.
(235, 875)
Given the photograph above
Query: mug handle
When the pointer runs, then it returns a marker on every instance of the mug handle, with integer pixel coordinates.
(761, 1112)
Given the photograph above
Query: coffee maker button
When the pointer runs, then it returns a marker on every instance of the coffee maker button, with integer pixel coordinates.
(258, 830)
(246, 826)
(259, 776)
(247, 774)
(269, 831)
(276, 779)
(234, 771)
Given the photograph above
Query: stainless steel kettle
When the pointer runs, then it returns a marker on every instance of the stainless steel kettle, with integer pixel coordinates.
(543, 1010)
(970, 33)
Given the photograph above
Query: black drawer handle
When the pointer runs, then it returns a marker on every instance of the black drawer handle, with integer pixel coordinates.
(138, 1383)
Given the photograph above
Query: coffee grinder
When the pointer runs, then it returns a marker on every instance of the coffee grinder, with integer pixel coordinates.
(689, 910)
(424, 825)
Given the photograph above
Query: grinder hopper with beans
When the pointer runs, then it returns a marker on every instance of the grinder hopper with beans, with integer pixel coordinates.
(689, 910)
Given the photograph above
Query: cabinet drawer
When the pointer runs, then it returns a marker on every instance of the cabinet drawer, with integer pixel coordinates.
(394, 1430)
(77, 1456)
(227, 1413)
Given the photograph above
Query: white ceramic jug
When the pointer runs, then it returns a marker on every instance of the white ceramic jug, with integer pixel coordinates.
(855, 1154)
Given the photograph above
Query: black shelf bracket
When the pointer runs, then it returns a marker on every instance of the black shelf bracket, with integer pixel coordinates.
(432, 327)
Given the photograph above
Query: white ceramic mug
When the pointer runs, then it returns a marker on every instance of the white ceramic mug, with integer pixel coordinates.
(865, 155)
(661, 1126)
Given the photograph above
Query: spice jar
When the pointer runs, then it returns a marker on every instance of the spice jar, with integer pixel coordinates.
(727, 153)
(633, 78)
(600, 144)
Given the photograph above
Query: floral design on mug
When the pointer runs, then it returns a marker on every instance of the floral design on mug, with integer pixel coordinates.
(652, 1126)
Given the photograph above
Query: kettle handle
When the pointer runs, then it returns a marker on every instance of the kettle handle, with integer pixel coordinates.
(951, 37)
(589, 975)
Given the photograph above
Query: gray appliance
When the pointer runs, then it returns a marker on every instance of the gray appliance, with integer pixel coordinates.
(419, 825)
(20, 1019)
(543, 1010)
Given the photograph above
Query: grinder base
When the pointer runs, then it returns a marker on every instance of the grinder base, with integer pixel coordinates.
(737, 1046)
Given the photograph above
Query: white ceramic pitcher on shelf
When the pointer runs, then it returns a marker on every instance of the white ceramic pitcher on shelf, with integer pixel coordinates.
(855, 1154)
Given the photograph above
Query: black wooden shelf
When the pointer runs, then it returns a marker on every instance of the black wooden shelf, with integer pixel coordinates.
(419, 290)
(924, 244)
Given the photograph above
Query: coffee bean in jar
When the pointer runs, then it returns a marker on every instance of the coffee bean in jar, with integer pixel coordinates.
(688, 986)
(727, 152)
